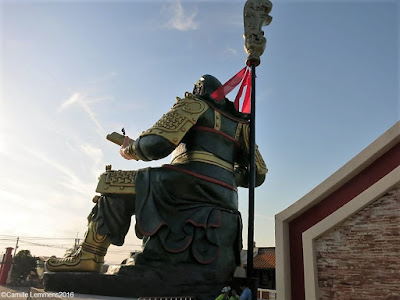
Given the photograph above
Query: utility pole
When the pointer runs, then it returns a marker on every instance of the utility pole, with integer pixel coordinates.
(76, 246)
(16, 246)
(77, 240)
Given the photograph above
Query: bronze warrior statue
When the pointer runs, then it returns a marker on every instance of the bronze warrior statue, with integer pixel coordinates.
(186, 211)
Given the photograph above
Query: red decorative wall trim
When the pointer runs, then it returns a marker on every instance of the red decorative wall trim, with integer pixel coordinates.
(355, 186)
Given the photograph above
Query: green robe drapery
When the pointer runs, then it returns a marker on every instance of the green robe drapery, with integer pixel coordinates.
(186, 218)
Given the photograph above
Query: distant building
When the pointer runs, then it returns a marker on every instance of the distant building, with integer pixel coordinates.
(263, 265)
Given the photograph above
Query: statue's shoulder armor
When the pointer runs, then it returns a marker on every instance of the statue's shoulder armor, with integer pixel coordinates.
(176, 123)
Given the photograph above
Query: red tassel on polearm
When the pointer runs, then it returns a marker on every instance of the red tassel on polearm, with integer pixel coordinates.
(244, 77)
(220, 93)
(246, 83)
(240, 92)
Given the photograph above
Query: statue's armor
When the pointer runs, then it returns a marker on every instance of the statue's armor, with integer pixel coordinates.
(205, 138)
(176, 123)
(214, 140)
(116, 182)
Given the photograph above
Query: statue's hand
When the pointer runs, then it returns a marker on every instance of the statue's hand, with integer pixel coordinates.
(124, 150)
(241, 176)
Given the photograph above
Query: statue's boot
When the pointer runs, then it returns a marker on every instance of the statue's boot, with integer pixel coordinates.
(88, 258)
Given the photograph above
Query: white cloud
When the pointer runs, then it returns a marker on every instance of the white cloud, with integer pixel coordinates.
(76, 97)
(71, 178)
(81, 100)
(104, 78)
(181, 19)
(2, 142)
(96, 155)
(93, 152)
(230, 51)
(13, 44)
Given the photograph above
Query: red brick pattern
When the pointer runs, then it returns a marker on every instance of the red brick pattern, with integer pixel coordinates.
(360, 259)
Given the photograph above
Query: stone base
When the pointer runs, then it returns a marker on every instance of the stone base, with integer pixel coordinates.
(134, 281)
(40, 294)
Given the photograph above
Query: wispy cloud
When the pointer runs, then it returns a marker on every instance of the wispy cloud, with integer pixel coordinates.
(2, 142)
(229, 51)
(71, 179)
(82, 101)
(13, 44)
(104, 78)
(180, 19)
(96, 155)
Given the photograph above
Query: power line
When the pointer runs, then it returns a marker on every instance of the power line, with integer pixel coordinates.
(36, 241)
(33, 243)
(44, 245)
(33, 237)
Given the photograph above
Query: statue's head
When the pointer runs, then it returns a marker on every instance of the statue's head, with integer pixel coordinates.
(206, 85)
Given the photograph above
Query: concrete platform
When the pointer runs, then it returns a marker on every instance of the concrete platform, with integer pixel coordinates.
(144, 285)
(31, 293)
(41, 294)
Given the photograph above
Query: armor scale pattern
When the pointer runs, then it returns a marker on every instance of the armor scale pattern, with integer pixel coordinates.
(176, 123)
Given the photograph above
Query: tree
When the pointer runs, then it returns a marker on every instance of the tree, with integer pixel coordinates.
(24, 264)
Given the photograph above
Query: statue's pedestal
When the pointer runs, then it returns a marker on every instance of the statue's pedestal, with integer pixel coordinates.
(40, 294)
(129, 282)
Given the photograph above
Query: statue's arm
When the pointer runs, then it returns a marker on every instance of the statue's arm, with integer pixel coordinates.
(145, 148)
(152, 147)
(242, 175)
(165, 135)
(242, 166)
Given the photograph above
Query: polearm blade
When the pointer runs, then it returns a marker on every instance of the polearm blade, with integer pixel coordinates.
(255, 15)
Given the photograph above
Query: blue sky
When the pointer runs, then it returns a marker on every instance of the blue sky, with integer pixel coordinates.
(73, 71)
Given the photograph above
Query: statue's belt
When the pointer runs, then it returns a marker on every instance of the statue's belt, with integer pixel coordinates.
(201, 176)
(123, 182)
(204, 157)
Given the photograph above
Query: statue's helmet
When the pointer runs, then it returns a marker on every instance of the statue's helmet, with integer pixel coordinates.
(206, 85)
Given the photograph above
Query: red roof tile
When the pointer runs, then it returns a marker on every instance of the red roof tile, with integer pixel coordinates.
(264, 261)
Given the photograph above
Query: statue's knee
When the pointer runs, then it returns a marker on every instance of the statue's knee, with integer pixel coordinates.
(119, 182)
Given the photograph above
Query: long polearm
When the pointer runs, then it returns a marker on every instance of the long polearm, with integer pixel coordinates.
(255, 15)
